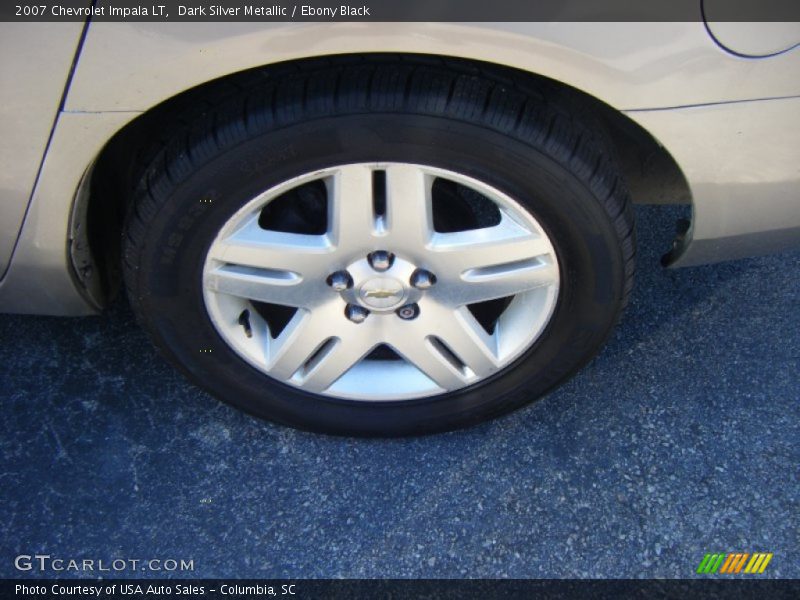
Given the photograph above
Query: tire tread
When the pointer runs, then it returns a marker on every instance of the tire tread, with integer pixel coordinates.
(524, 108)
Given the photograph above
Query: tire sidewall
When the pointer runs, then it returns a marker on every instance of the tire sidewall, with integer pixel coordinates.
(168, 283)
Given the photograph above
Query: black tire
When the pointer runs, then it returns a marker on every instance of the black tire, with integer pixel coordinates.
(499, 129)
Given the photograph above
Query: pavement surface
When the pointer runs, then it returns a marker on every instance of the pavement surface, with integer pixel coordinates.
(680, 439)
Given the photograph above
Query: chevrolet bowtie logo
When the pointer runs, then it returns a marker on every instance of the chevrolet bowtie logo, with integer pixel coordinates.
(382, 293)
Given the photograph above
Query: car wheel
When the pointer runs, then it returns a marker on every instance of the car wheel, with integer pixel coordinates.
(380, 247)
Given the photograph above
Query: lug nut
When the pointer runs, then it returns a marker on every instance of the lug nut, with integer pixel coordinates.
(422, 279)
(381, 260)
(355, 313)
(408, 312)
(340, 281)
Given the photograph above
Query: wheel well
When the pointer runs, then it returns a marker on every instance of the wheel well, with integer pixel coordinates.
(650, 172)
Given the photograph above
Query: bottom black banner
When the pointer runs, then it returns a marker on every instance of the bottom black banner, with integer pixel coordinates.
(398, 589)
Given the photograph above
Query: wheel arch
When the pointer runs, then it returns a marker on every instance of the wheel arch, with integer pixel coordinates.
(651, 173)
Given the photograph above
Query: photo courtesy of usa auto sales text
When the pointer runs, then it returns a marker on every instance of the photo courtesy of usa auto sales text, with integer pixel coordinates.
(101, 590)
(276, 10)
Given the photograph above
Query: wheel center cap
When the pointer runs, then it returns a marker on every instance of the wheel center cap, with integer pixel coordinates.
(382, 293)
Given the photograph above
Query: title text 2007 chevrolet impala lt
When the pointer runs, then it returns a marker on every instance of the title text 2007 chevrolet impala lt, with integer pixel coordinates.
(383, 228)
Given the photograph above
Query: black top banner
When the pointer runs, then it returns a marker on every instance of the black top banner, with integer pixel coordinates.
(400, 10)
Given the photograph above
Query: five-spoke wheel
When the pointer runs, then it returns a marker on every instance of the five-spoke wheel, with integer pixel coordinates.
(386, 301)
(379, 245)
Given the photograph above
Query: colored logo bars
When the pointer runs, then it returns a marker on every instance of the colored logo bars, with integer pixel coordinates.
(735, 563)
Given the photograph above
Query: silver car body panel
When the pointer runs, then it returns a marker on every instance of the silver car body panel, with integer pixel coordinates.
(133, 66)
(742, 162)
(34, 69)
(731, 123)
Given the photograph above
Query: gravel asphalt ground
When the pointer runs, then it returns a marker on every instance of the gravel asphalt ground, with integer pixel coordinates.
(680, 439)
